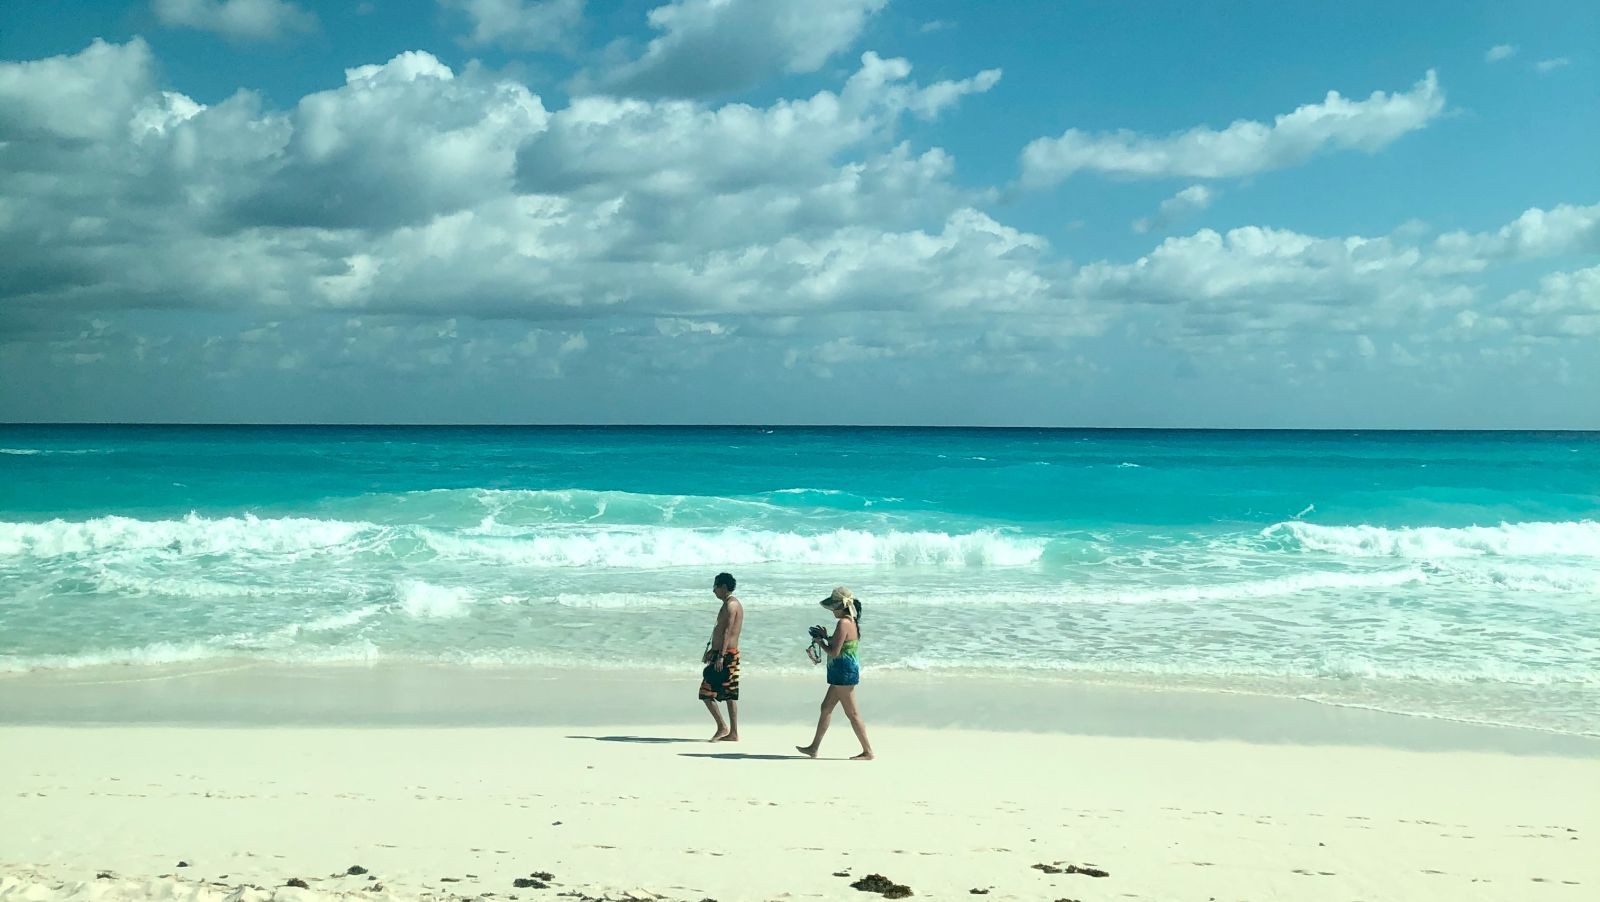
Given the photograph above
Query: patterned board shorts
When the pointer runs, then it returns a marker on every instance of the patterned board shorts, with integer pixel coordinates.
(721, 685)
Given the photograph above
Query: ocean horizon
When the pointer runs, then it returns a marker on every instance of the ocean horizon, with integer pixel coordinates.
(1448, 574)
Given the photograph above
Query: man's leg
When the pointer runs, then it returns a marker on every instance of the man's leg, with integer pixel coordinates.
(716, 715)
(733, 722)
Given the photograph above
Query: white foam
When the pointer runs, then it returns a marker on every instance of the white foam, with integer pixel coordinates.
(1537, 578)
(21, 451)
(220, 649)
(1174, 594)
(191, 535)
(655, 547)
(154, 653)
(1579, 538)
(341, 621)
(426, 601)
(1314, 670)
(137, 585)
(490, 540)
(1264, 588)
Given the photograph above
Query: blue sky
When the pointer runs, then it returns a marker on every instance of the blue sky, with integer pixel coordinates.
(862, 211)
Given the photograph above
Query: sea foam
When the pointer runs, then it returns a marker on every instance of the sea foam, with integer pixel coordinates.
(649, 547)
(1577, 538)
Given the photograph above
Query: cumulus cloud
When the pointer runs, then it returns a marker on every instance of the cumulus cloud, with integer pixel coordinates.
(686, 149)
(708, 47)
(1243, 148)
(1545, 67)
(452, 225)
(415, 189)
(520, 24)
(1262, 284)
(400, 142)
(1537, 233)
(1269, 282)
(243, 20)
(1182, 205)
(1500, 52)
(1566, 304)
(89, 96)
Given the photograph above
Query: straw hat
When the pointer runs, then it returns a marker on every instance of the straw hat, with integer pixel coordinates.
(841, 597)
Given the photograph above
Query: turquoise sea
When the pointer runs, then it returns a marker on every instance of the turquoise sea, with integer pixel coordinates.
(1450, 575)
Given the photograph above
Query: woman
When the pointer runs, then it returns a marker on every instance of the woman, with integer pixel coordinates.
(844, 671)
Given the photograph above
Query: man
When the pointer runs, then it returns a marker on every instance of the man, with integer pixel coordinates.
(719, 681)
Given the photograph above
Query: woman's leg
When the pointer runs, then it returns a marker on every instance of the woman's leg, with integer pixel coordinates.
(848, 699)
(828, 701)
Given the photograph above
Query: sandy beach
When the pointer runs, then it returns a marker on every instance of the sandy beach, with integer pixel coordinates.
(624, 799)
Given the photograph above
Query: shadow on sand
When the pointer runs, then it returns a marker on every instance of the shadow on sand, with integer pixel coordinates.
(649, 740)
(742, 756)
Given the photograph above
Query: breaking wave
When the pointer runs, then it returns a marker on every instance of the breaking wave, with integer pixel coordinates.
(645, 547)
(1578, 538)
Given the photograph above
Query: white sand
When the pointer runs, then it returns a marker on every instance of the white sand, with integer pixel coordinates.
(942, 810)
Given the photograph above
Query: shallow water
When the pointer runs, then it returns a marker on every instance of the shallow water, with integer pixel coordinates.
(1447, 574)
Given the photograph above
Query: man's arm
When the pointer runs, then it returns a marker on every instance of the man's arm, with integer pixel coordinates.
(720, 631)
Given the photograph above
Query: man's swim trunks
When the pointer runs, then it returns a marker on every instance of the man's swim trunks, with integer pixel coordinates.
(721, 685)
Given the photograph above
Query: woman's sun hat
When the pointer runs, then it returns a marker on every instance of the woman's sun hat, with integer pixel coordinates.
(841, 597)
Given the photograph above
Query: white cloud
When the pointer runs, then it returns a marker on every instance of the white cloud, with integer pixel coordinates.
(1182, 205)
(1255, 285)
(1243, 148)
(416, 189)
(89, 96)
(708, 47)
(686, 149)
(246, 20)
(521, 24)
(639, 236)
(1565, 304)
(1269, 282)
(400, 142)
(1537, 233)
(1545, 67)
(1500, 52)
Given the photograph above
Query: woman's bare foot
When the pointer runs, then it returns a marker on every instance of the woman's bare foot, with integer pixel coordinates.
(809, 751)
(864, 756)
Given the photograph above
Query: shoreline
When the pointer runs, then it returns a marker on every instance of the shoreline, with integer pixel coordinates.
(249, 694)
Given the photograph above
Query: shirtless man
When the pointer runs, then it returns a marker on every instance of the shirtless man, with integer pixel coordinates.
(719, 682)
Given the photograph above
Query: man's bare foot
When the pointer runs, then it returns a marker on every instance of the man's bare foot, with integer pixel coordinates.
(725, 737)
(717, 736)
(806, 750)
(864, 756)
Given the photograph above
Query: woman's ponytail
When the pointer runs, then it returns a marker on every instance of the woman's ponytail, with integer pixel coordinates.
(857, 603)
